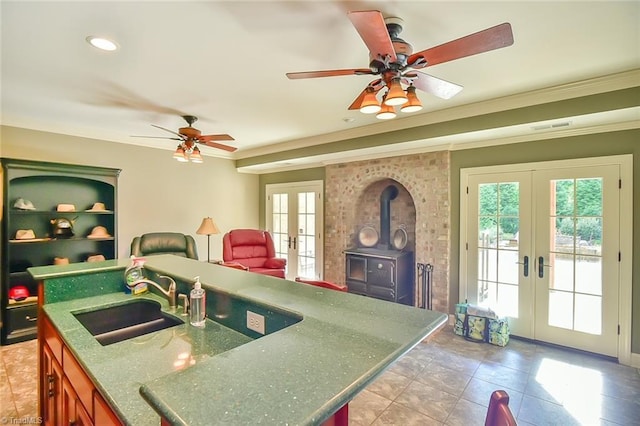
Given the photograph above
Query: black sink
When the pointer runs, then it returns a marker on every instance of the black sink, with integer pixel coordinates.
(121, 322)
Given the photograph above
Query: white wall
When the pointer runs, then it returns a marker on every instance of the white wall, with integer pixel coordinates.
(155, 192)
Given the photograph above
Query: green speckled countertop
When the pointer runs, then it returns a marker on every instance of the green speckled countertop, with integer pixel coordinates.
(301, 374)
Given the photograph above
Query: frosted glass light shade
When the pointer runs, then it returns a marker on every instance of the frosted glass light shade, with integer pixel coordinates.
(387, 112)
(180, 155)
(370, 103)
(413, 104)
(395, 95)
(195, 156)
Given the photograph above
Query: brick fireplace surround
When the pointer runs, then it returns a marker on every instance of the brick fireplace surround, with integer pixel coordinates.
(352, 197)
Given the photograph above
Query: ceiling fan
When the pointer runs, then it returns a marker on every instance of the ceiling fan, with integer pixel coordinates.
(189, 136)
(393, 60)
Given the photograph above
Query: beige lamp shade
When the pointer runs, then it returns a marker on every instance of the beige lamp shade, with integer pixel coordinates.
(207, 227)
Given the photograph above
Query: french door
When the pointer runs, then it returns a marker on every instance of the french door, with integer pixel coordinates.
(294, 217)
(542, 247)
(576, 268)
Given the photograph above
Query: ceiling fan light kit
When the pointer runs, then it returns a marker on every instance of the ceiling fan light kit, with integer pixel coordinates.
(394, 61)
(189, 137)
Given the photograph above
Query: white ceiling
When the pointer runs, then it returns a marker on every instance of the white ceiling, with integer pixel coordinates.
(225, 62)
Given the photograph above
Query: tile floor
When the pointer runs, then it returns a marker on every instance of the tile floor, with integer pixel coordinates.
(445, 381)
(19, 382)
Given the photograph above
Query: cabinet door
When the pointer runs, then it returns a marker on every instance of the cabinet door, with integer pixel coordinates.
(51, 385)
(78, 378)
(73, 412)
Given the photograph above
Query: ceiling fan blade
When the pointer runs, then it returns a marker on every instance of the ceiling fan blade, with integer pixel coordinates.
(209, 138)
(357, 103)
(434, 85)
(371, 27)
(170, 131)
(221, 146)
(156, 137)
(482, 41)
(328, 73)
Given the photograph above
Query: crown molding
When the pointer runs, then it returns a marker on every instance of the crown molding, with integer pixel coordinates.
(445, 143)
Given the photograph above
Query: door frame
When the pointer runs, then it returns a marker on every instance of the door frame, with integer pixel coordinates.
(301, 187)
(625, 162)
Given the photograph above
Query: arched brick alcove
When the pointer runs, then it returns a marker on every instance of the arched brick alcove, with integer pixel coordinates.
(403, 211)
(425, 177)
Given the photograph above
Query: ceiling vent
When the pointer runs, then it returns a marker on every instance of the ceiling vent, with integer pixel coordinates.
(552, 125)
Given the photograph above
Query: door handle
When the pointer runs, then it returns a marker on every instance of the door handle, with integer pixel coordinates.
(541, 266)
(525, 264)
(289, 241)
(294, 243)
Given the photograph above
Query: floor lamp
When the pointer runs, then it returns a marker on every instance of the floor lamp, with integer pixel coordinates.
(208, 228)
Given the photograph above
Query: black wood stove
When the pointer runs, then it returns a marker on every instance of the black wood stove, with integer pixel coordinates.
(384, 272)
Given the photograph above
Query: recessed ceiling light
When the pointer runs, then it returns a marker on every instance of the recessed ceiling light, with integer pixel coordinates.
(102, 43)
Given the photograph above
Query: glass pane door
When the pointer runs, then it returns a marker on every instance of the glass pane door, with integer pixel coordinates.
(294, 218)
(542, 244)
(307, 234)
(577, 255)
(499, 267)
(280, 223)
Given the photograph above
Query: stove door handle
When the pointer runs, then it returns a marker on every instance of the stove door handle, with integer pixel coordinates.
(393, 275)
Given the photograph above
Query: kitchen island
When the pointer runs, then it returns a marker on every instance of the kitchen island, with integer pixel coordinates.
(320, 348)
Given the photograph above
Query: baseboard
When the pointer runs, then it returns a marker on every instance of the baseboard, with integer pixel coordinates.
(635, 360)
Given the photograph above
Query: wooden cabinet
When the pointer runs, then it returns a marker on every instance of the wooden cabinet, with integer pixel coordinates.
(73, 412)
(50, 387)
(67, 395)
(31, 193)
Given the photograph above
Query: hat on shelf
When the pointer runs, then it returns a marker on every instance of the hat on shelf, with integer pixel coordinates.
(25, 234)
(18, 293)
(66, 208)
(99, 232)
(97, 207)
(22, 204)
(60, 260)
(96, 258)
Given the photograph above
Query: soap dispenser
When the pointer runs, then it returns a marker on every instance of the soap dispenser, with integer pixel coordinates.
(133, 272)
(197, 304)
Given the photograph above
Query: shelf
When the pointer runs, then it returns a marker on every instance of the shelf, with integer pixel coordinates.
(54, 240)
(55, 213)
(47, 186)
(29, 301)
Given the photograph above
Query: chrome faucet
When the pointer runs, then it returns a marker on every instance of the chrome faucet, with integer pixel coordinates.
(170, 293)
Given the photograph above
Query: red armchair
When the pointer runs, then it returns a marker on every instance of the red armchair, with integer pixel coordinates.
(254, 249)
(324, 284)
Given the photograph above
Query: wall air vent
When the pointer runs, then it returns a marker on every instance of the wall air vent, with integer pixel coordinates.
(552, 125)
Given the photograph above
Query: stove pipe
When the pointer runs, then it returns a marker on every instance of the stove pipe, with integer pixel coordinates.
(389, 193)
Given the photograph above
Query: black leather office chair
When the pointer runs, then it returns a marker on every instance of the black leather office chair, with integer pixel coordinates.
(164, 243)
